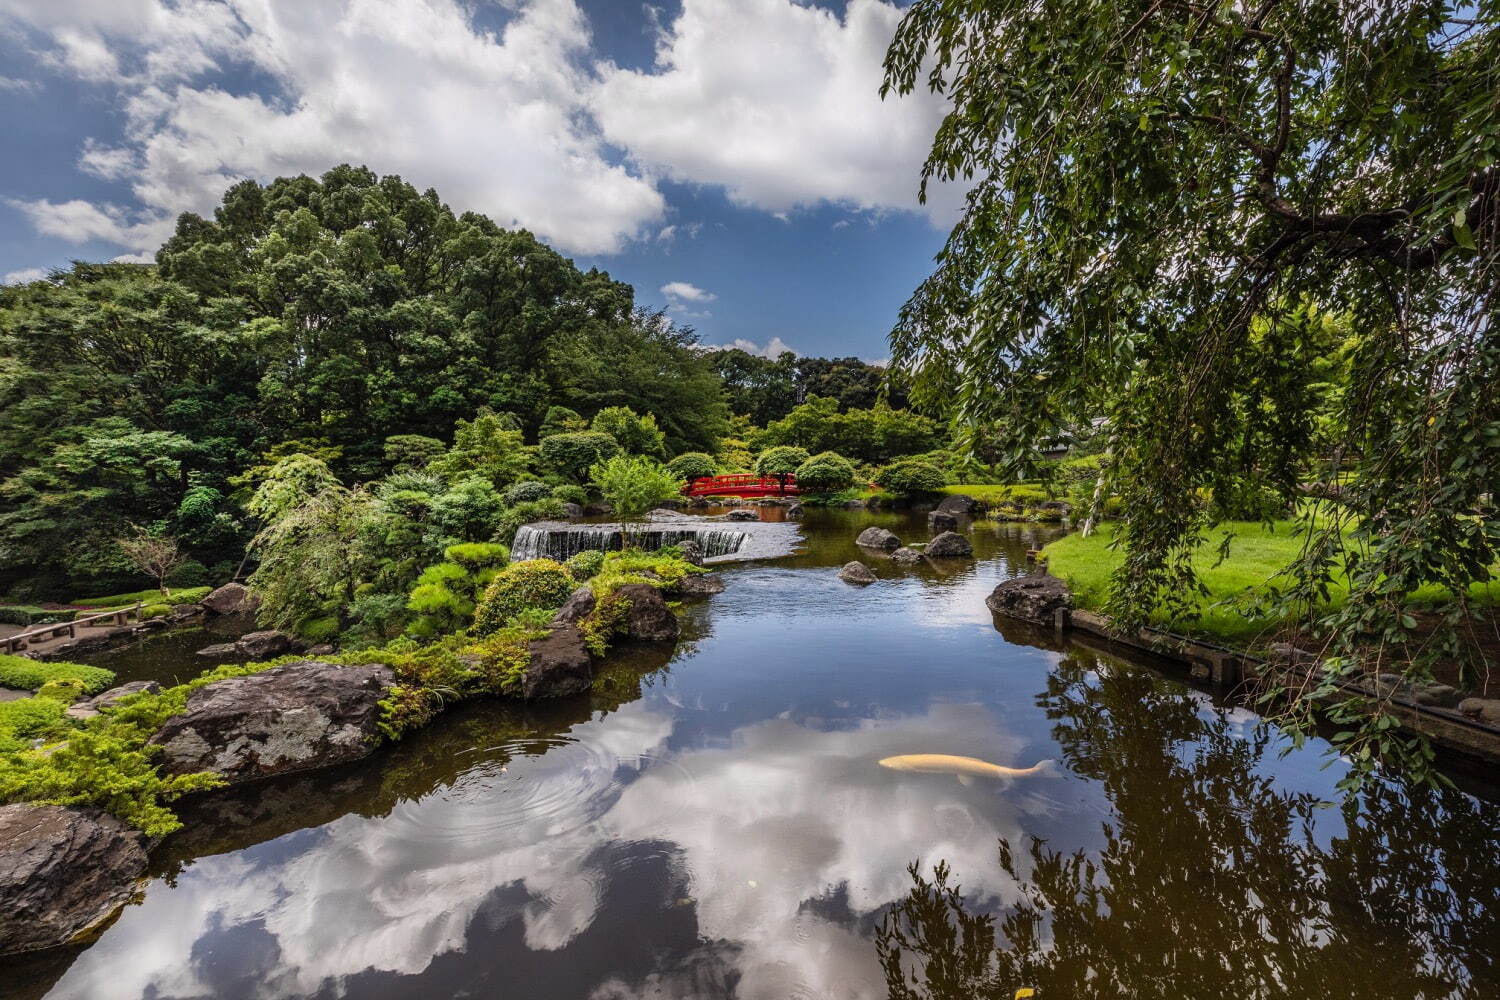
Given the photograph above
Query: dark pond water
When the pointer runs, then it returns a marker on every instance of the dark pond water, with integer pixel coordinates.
(712, 822)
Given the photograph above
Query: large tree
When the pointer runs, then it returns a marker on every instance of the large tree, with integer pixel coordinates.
(1168, 200)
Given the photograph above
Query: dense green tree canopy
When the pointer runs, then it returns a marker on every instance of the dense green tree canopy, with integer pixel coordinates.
(1166, 198)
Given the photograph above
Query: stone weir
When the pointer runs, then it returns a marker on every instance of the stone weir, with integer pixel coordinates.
(720, 541)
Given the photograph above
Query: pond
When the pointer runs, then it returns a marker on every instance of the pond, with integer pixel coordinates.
(713, 821)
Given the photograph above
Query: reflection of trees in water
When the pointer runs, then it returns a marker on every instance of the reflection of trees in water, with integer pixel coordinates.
(1212, 882)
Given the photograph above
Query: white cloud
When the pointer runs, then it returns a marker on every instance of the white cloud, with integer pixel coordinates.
(24, 275)
(19, 86)
(774, 348)
(778, 102)
(407, 86)
(682, 291)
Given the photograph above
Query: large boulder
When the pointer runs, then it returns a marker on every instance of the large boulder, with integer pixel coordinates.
(572, 511)
(742, 515)
(907, 557)
(295, 717)
(578, 606)
(950, 545)
(62, 871)
(560, 665)
(939, 521)
(960, 504)
(229, 599)
(877, 538)
(857, 573)
(700, 585)
(90, 707)
(1034, 598)
(262, 645)
(647, 616)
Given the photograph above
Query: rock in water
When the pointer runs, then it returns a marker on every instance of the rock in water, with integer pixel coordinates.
(939, 521)
(560, 664)
(647, 617)
(857, 573)
(262, 645)
(950, 545)
(742, 515)
(877, 538)
(906, 557)
(62, 871)
(691, 551)
(228, 599)
(701, 585)
(1034, 598)
(958, 503)
(290, 718)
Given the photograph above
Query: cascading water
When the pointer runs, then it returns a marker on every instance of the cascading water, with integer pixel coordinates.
(560, 541)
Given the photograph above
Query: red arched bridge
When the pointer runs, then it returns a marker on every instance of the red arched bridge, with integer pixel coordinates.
(742, 486)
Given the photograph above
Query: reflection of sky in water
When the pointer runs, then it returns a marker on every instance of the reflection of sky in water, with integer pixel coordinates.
(729, 833)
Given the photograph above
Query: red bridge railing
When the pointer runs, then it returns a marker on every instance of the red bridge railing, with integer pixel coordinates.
(742, 486)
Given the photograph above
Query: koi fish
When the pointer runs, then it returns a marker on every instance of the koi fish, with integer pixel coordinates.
(966, 768)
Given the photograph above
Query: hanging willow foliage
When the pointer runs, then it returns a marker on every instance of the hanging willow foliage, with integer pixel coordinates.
(1181, 218)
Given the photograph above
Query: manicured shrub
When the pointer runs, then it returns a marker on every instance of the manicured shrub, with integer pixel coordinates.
(446, 593)
(470, 510)
(156, 610)
(26, 720)
(781, 460)
(320, 628)
(29, 675)
(572, 455)
(535, 583)
(570, 493)
(66, 690)
(187, 595)
(527, 491)
(825, 473)
(635, 434)
(910, 478)
(549, 509)
(191, 573)
(585, 564)
(692, 465)
(561, 420)
(633, 484)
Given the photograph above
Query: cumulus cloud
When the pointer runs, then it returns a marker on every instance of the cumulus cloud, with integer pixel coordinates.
(22, 276)
(407, 86)
(775, 347)
(778, 102)
(682, 291)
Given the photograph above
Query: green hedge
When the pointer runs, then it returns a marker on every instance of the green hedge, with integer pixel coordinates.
(29, 675)
(186, 595)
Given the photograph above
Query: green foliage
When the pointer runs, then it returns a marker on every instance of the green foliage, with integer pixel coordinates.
(550, 509)
(527, 492)
(446, 593)
(535, 583)
(470, 510)
(664, 570)
(585, 564)
(692, 465)
(572, 455)
(411, 452)
(878, 434)
(488, 447)
(66, 690)
(406, 708)
(317, 628)
(635, 434)
(765, 389)
(910, 478)
(825, 473)
(633, 484)
(782, 460)
(569, 493)
(29, 719)
(561, 420)
(1347, 168)
(156, 610)
(187, 595)
(29, 675)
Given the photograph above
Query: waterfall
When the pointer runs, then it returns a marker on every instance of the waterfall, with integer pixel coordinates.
(562, 541)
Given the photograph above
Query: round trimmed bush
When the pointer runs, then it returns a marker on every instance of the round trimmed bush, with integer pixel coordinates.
(585, 564)
(528, 491)
(781, 460)
(692, 465)
(535, 583)
(572, 455)
(827, 472)
(570, 493)
(911, 477)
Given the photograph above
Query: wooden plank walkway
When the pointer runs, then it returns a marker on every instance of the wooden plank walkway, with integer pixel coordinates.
(39, 638)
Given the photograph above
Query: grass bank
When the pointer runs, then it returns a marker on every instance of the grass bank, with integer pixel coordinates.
(1257, 556)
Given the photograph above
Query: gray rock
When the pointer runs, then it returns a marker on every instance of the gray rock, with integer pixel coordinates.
(90, 707)
(62, 872)
(742, 515)
(1486, 710)
(572, 509)
(648, 618)
(856, 573)
(701, 585)
(598, 508)
(691, 552)
(576, 608)
(877, 538)
(794, 510)
(262, 645)
(230, 598)
(960, 504)
(220, 651)
(561, 664)
(907, 557)
(187, 612)
(939, 521)
(1285, 652)
(295, 717)
(950, 545)
(1034, 598)
(1437, 695)
(321, 649)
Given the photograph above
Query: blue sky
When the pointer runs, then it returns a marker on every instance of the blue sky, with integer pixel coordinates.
(729, 158)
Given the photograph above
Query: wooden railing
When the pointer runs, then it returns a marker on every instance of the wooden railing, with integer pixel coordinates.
(742, 486)
(21, 640)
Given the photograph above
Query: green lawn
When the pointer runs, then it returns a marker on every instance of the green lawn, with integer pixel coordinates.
(29, 675)
(992, 494)
(180, 595)
(1256, 556)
